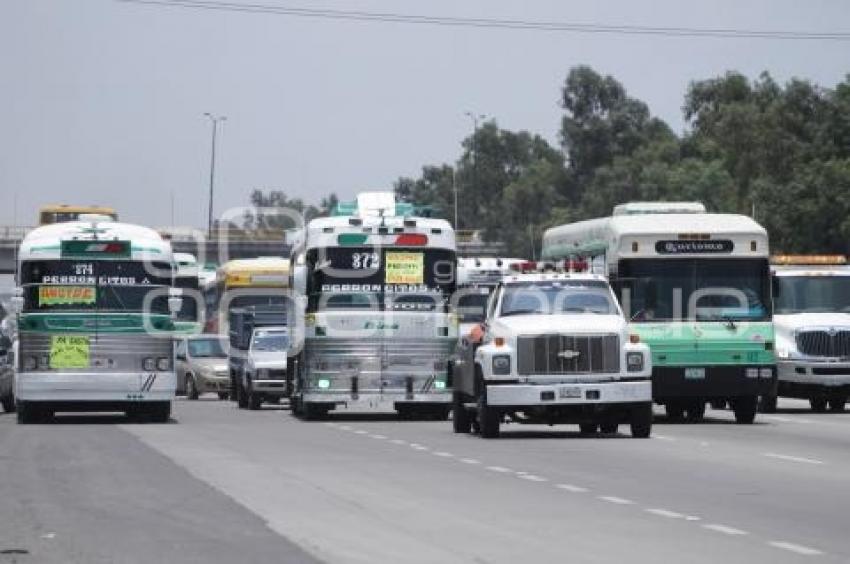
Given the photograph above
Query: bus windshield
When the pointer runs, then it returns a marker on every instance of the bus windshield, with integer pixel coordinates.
(270, 342)
(405, 279)
(85, 285)
(701, 289)
(472, 305)
(557, 297)
(812, 294)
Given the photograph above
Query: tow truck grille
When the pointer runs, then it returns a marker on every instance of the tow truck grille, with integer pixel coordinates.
(834, 344)
(565, 354)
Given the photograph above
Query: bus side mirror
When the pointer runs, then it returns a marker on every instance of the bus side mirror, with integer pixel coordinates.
(16, 303)
(299, 279)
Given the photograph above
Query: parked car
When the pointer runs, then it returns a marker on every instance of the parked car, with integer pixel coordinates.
(201, 366)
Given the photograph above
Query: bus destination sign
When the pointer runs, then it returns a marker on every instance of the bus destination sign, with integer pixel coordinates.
(678, 247)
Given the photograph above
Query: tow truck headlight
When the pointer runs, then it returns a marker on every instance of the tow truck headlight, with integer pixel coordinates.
(502, 365)
(149, 364)
(634, 361)
(163, 364)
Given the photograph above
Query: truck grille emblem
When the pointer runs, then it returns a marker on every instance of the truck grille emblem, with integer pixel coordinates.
(568, 355)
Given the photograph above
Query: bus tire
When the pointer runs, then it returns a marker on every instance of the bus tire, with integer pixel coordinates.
(191, 388)
(313, 411)
(745, 409)
(675, 411)
(767, 404)
(461, 421)
(255, 399)
(8, 403)
(27, 413)
(837, 403)
(588, 428)
(489, 418)
(157, 412)
(241, 395)
(818, 404)
(640, 423)
(609, 427)
(223, 396)
(695, 412)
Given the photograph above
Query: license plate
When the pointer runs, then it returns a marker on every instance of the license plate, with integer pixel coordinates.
(569, 392)
(694, 373)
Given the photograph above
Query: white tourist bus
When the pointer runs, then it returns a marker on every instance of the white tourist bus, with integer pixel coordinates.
(696, 288)
(95, 325)
(378, 327)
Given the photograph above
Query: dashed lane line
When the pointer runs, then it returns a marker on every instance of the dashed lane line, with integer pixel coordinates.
(442, 454)
(665, 513)
(470, 461)
(500, 469)
(571, 488)
(790, 458)
(532, 478)
(725, 529)
(616, 500)
(796, 548)
(377, 437)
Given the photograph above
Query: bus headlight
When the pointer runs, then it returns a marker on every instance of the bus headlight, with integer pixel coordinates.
(163, 363)
(149, 364)
(766, 373)
(634, 361)
(30, 363)
(501, 365)
(43, 362)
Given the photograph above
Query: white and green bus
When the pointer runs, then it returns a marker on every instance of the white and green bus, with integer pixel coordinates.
(96, 307)
(379, 329)
(697, 288)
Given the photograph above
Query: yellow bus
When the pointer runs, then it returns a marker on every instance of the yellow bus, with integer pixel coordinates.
(60, 213)
(241, 283)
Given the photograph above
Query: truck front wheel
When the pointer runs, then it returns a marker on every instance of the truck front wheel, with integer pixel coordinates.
(489, 418)
(461, 421)
(641, 421)
(745, 409)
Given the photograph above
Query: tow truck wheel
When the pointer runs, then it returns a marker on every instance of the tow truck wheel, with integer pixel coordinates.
(241, 395)
(767, 404)
(461, 421)
(255, 399)
(837, 404)
(695, 412)
(745, 409)
(588, 428)
(818, 404)
(608, 428)
(641, 421)
(488, 418)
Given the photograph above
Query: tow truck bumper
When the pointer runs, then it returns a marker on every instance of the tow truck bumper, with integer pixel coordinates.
(525, 395)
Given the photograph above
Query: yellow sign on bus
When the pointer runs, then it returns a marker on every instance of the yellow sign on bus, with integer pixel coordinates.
(67, 351)
(404, 268)
(66, 295)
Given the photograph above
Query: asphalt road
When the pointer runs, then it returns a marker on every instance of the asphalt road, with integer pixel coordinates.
(223, 485)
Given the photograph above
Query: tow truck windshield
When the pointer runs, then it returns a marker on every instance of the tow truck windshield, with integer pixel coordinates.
(558, 297)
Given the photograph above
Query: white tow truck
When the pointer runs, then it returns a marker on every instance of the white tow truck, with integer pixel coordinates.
(555, 349)
(812, 324)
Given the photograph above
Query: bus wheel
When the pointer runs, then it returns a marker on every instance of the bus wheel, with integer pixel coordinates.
(313, 411)
(223, 395)
(255, 399)
(27, 413)
(461, 421)
(8, 403)
(837, 403)
(767, 404)
(745, 409)
(675, 411)
(158, 412)
(588, 428)
(695, 412)
(641, 421)
(818, 404)
(241, 395)
(489, 418)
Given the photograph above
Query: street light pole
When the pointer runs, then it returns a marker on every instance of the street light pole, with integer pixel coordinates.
(474, 118)
(214, 120)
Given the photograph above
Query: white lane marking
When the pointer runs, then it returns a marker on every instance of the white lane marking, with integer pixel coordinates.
(532, 478)
(692, 518)
(665, 513)
(361, 432)
(331, 424)
(787, 419)
(398, 442)
(792, 458)
(470, 461)
(379, 437)
(345, 428)
(617, 500)
(443, 454)
(663, 437)
(797, 548)
(725, 529)
(500, 469)
(571, 488)
(415, 446)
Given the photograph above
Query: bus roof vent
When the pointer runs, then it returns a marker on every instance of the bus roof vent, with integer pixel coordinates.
(375, 204)
(645, 208)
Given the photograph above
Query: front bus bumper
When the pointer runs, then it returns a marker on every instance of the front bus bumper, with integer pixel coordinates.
(94, 388)
(712, 382)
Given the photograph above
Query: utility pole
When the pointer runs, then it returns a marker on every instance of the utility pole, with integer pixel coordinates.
(474, 150)
(214, 120)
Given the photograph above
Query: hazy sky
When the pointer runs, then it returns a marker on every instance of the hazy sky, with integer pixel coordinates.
(102, 101)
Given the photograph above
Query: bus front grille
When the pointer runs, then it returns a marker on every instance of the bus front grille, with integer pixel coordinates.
(568, 354)
(835, 344)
